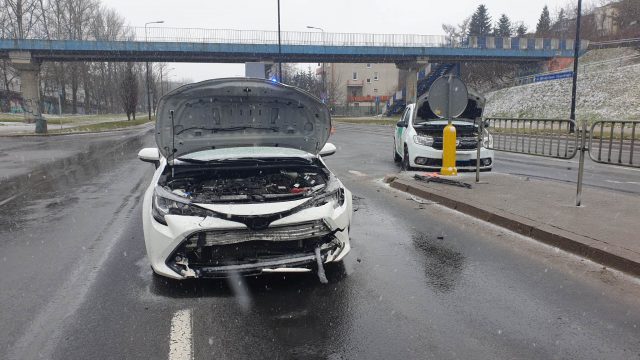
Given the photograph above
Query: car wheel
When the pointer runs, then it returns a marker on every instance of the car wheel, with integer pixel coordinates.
(396, 157)
(406, 165)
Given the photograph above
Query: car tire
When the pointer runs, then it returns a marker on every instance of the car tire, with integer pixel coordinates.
(396, 157)
(406, 165)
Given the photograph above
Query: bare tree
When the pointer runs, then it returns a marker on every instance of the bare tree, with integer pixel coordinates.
(129, 91)
(23, 17)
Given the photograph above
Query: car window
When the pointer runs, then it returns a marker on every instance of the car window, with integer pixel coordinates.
(407, 116)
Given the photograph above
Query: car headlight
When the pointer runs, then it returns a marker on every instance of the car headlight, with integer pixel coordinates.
(166, 203)
(333, 192)
(487, 140)
(423, 140)
(336, 197)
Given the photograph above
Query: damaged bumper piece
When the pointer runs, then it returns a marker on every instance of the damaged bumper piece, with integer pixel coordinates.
(299, 239)
(289, 248)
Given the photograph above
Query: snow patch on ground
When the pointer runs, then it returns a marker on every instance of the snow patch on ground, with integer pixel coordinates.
(602, 95)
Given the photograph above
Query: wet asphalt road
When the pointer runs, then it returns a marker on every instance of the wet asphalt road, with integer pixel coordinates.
(421, 281)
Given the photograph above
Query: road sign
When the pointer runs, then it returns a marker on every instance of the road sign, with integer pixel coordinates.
(448, 97)
(554, 76)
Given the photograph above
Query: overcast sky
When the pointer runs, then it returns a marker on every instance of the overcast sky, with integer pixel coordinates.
(368, 16)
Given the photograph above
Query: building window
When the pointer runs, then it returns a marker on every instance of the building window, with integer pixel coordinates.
(368, 65)
(355, 75)
(375, 76)
(368, 80)
(356, 104)
(375, 90)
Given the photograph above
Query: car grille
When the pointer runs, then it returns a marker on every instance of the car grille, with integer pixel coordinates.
(276, 234)
(244, 246)
(464, 143)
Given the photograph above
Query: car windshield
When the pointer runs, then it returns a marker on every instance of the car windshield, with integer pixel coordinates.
(330, 179)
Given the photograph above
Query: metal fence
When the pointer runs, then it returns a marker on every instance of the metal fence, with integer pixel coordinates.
(614, 142)
(614, 43)
(607, 142)
(555, 138)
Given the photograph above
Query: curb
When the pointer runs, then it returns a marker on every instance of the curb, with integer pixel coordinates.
(547, 234)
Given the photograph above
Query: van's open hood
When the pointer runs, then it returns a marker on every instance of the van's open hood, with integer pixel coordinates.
(238, 112)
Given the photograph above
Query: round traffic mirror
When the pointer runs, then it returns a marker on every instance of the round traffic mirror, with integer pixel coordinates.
(451, 87)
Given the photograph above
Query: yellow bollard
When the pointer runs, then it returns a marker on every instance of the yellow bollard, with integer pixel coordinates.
(449, 151)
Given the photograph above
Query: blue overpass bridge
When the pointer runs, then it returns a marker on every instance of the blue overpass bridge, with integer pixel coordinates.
(160, 44)
(229, 46)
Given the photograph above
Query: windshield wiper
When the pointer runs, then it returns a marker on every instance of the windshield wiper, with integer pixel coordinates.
(235, 128)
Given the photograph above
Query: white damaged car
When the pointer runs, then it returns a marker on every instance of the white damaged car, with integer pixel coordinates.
(240, 185)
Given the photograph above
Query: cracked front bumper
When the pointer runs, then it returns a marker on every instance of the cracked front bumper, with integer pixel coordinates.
(227, 247)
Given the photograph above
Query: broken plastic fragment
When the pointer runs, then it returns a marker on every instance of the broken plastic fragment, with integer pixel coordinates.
(321, 274)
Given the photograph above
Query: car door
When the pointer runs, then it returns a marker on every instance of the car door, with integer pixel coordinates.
(400, 131)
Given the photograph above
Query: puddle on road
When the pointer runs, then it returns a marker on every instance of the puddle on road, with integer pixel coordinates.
(443, 266)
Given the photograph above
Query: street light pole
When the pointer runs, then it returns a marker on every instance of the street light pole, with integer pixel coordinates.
(576, 54)
(279, 47)
(324, 79)
(146, 39)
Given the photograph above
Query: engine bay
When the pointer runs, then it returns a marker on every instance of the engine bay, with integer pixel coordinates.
(247, 183)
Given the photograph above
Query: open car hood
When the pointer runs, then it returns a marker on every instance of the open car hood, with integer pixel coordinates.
(240, 112)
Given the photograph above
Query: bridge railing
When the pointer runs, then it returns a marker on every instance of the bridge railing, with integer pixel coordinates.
(230, 36)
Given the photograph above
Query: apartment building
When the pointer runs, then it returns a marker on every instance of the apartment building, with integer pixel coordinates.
(367, 86)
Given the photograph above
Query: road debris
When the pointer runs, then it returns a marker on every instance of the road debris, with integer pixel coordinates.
(434, 177)
(422, 201)
(321, 274)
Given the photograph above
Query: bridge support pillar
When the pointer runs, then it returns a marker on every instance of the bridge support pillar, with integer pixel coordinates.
(29, 72)
(410, 71)
(412, 85)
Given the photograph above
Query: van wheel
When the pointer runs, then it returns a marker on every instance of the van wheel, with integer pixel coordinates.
(396, 157)
(406, 165)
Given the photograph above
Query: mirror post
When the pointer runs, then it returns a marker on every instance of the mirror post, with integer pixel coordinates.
(478, 146)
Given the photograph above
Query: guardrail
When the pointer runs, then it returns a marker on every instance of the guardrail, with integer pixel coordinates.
(614, 142)
(555, 138)
(614, 43)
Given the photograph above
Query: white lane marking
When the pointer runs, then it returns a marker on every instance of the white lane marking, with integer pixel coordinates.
(180, 340)
(623, 182)
(357, 173)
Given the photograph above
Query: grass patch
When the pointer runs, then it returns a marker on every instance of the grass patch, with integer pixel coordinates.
(102, 126)
(11, 117)
(70, 119)
(388, 121)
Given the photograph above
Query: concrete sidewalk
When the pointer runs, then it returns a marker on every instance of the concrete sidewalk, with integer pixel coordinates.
(605, 229)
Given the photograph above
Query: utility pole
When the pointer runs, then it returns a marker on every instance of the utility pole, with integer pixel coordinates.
(279, 47)
(146, 39)
(576, 54)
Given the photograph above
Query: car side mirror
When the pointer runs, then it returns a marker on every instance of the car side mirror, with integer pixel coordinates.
(486, 123)
(401, 124)
(327, 149)
(151, 155)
